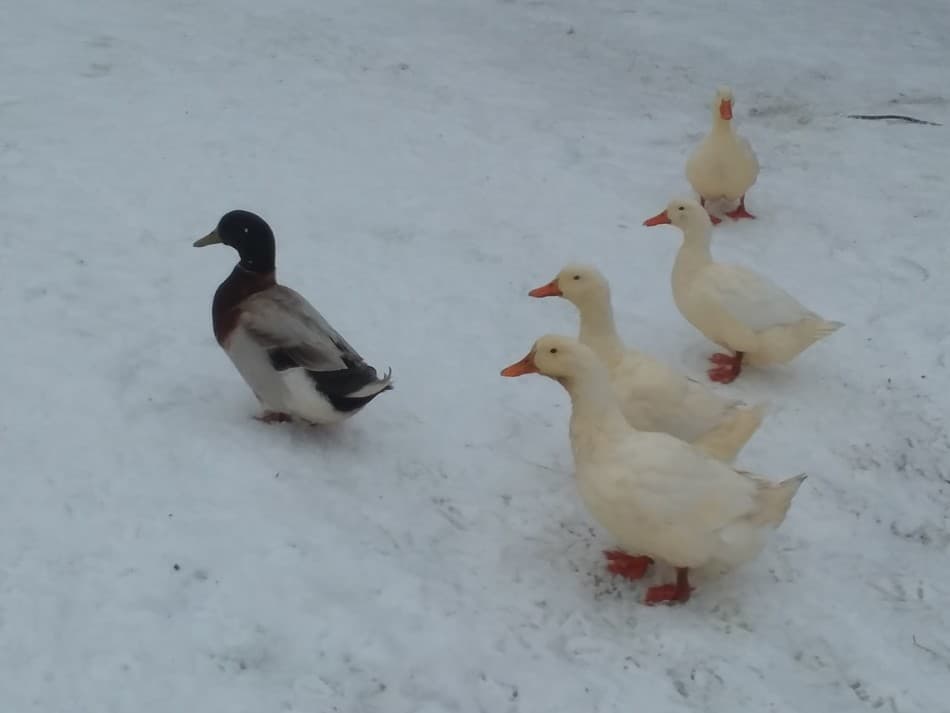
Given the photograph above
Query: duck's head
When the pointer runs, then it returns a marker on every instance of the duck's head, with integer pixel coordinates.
(576, 283)
(555, 356)
(247, 233)
(685, 213)
(722, 104)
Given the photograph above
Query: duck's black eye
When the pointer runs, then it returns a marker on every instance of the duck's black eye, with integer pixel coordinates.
(554, 350)
(682, 207)
(577, 277)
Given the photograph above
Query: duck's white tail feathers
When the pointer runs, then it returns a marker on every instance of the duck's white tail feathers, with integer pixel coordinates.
(728, 438)
(826, 328)
(375, 387)
(815, 330)
(775, 499)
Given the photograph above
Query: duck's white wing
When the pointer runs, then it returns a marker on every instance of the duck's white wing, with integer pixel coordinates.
(295, 334)
(655, 397)
(676, 483)
(748, 297)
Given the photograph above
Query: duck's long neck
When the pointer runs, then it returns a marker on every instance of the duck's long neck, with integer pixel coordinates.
(595, 414)
(598, 329)
(721, 128)
(693, 254)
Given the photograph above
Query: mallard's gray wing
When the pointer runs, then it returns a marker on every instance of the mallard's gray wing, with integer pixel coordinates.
(296, 334)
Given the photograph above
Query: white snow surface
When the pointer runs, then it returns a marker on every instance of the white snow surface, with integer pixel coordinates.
(424, 163)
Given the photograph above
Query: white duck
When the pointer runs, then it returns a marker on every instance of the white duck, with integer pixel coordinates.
(657, 495)
(723, 166)
(652, 396)
(733, 306)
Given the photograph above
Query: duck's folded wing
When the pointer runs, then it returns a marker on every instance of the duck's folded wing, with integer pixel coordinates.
(683, 484)
(749, 298)
(295, 335)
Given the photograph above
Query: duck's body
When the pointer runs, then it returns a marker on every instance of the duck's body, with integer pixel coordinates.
(652, 395)
(672, 502)
(657, 495)
(723, 167)
(294, 361)
(733, 306)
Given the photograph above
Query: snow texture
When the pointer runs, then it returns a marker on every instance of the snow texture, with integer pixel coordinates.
(424, 163)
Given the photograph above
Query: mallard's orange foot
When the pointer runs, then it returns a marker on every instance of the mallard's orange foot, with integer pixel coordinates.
(273, 417)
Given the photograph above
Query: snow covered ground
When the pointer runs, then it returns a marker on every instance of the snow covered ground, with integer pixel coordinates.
(424, 163)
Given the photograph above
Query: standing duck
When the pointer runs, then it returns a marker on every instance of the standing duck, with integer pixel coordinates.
(652, 396)
(733, 306)
(294, 361)
(657, 495)
(723, 166)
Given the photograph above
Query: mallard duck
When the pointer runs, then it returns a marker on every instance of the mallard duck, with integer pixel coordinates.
(652, 396)
(732, 305)
(723, 166)
(294, 361)
(660, 497)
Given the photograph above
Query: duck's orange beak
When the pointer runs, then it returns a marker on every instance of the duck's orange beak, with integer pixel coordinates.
(549, 290)
(658, 219)
(725, 109)
(520, 368)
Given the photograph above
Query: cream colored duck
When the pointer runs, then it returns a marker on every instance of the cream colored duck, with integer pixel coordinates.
(733, 306)
(724, 166)
(657, 495)
(652, 396)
